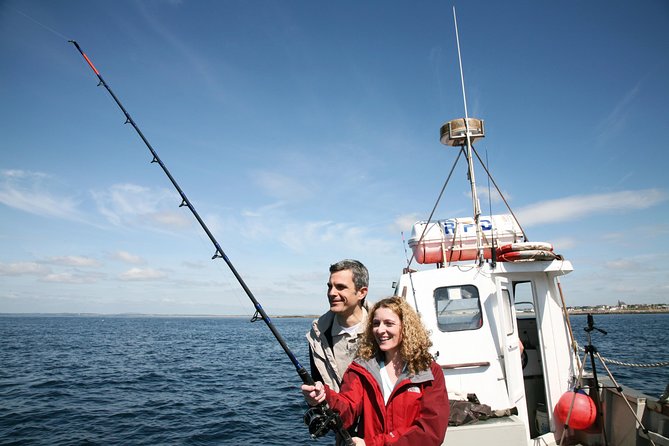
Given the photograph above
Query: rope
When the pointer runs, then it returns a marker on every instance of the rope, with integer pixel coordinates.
(632, 364)
(500, 193)
(429, 219)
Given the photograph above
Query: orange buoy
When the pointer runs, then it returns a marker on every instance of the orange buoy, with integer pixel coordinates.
(583, 413)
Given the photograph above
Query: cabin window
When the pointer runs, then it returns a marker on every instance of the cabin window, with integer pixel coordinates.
(458, 308)
(524, 297)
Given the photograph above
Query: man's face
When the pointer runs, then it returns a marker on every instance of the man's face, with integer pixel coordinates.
(342, 295)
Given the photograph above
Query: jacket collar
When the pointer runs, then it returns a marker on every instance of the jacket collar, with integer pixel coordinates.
(373, 367)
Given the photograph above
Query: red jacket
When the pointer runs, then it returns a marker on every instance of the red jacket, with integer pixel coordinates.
(416, 413)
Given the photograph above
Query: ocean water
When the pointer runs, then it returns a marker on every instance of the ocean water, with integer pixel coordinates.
(629, 338)
(150, 381)
(201, 381)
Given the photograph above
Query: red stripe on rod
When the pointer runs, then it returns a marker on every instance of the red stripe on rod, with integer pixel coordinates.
(91, 64)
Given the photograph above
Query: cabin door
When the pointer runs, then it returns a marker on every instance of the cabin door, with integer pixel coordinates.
(513, 368)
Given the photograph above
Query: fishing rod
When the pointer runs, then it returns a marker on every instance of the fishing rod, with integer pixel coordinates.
(320, 419)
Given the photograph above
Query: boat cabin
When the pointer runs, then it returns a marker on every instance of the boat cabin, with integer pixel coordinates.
(481, 317)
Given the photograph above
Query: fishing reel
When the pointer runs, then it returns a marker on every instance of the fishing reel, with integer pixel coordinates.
(321, 419)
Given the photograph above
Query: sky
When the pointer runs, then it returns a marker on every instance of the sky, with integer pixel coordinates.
(305, 132)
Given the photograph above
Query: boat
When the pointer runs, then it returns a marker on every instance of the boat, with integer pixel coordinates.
(500, 328)
(475, 272)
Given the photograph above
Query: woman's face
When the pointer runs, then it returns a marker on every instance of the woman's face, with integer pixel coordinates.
(387, 330)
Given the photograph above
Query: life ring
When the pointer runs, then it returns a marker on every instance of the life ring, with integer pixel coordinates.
(524, 246)
(527, 255)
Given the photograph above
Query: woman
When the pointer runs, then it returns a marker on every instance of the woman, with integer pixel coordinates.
(393, 384)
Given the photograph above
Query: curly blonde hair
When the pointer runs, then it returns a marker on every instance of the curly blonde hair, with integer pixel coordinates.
(415, 337)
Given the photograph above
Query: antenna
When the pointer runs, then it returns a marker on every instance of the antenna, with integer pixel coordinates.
(462, 76)
(452, 134)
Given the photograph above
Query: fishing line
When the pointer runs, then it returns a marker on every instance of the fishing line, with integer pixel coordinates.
(40, 24)
(321, 419)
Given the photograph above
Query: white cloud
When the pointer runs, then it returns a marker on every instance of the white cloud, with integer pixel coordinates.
(171, 219)
(404, 223)
(72, 278)
(616, 121)
(200, 65)
(33, 192)
(564, 243)
(133, 205)
(280, 186)
(23, 269)
(615, 236)
(127, 257)
(621, 264)
(141, 274)
(263, 210)
(317, 235)
(194, 265)
(78, 261)
(492, 197)
(578, 206)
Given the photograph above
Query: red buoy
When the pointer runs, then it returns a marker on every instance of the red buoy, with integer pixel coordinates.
(583, 413)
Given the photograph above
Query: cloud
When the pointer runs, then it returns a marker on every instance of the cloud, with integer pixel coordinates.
(615, 236)
(280, 186)
(45, 274)
(404, 223)
(263, 210)
(639, 264)
(23, 269)
(485, 197)
(199, 64)
(172, 219)
(316, 235)
(142, 274)
(127, 257)
(578, 206)
(193, 265)
(564, 243)
(33, 192)
(133, 205)
(622, 264)
(72, 277)
(78, 261)
(616, 121)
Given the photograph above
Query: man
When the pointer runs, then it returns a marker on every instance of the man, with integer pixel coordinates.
(333, 338)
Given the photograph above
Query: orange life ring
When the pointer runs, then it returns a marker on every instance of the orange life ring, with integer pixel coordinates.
(527, 255)
(524, 246)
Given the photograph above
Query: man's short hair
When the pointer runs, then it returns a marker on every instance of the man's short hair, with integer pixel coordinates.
(360, 273)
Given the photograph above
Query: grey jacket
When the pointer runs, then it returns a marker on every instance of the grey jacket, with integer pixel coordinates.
(321, 351)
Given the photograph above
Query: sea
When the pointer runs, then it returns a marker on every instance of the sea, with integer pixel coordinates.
(104, 380)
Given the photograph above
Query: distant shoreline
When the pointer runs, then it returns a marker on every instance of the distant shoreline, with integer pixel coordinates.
(290, 316)
(148, 315)
(594, 311)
